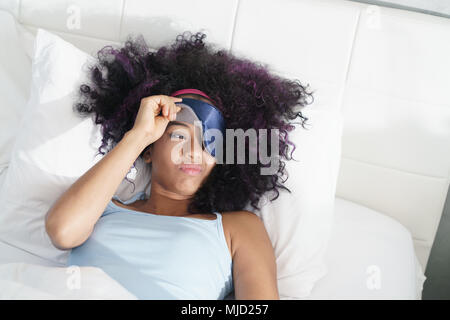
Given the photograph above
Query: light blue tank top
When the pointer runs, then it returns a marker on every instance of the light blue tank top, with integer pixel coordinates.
(159, 257)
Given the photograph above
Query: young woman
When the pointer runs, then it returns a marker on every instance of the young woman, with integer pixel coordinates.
(191, 238)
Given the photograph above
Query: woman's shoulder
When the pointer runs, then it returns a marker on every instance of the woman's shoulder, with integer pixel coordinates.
(240, 227)
(239, 215)
(235, 218)
(237, 222)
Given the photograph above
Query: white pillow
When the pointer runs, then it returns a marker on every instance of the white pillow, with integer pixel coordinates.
(299, 224)
(15, 75)
(55, 147)
(47, 138)
(15, 78)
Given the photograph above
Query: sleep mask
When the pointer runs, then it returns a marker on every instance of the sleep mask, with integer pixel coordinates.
(196, 110)
(210, 117)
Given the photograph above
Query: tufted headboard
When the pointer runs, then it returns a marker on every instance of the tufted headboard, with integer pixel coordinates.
(387, 70)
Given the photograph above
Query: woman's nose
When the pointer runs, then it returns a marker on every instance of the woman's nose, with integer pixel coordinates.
(194, 151)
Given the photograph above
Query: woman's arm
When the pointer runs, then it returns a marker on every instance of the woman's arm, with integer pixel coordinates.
(254, 265)
(71, 219)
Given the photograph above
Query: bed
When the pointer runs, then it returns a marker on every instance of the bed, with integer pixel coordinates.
(364, 244)
(394, 171)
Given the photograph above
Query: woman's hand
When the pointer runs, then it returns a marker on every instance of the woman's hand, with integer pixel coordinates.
(149, 123)
(71, 219)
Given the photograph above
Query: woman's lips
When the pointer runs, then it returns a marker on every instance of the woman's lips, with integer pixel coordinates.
(191, 169)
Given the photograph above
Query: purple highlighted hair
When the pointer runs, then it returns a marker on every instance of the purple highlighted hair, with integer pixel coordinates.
(246, 93)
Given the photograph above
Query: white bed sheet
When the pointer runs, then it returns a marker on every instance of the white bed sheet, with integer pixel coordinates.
(2, 175)
(369, 256)
(31, 281)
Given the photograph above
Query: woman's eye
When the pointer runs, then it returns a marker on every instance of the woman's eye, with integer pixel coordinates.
(175, 135)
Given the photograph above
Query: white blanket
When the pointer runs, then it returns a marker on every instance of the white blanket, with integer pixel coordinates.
(30, 281)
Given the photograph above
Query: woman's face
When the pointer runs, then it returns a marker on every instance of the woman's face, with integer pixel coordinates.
(179, 163)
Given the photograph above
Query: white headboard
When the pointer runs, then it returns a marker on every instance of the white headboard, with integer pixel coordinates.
(387, 70)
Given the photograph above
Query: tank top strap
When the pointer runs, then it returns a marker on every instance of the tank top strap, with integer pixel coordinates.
(218, 217)
(221, 232)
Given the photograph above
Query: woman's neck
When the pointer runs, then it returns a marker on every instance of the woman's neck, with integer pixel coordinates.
(164, 202)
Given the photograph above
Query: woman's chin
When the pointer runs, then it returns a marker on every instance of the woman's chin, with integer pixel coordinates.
(186, 188)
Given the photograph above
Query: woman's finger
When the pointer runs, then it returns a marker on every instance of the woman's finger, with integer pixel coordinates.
(168, 105)
(169, 111)
(174, 112)
(175, 108)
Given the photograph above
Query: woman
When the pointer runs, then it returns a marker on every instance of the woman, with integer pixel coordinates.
(192, 238)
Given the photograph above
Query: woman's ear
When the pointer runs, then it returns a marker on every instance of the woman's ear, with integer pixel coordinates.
(147, 156)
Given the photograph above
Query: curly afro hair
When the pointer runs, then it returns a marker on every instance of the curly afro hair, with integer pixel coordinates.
(244, 91)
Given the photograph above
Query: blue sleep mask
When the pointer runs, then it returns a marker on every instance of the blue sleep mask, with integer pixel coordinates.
(210, 117)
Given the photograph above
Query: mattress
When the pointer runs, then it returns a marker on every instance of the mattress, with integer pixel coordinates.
(369, 256)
